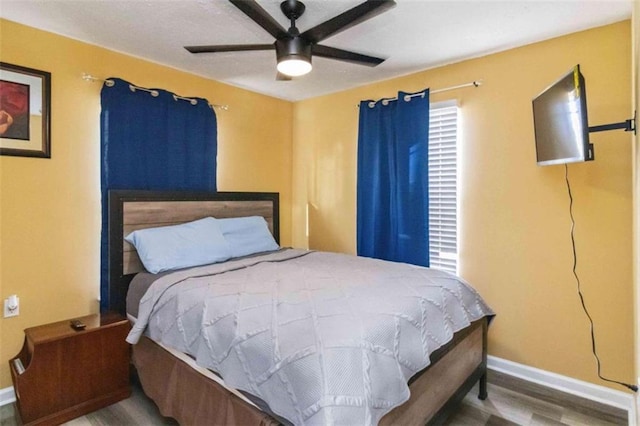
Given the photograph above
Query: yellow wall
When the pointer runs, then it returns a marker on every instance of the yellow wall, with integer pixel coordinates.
(514, 241)
(50, 208)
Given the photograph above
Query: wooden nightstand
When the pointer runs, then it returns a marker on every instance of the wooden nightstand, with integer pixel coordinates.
(68, 373)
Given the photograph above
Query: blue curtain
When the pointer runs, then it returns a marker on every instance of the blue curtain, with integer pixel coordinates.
(393, 180)
(153, 143)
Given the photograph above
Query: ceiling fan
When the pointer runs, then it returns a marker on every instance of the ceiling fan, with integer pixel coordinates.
(294, 49)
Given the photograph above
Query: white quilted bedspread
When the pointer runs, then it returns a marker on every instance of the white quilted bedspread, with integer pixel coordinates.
(323, 338)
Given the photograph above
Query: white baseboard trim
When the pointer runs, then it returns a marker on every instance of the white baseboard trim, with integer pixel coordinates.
(566, 384)
(7, 396)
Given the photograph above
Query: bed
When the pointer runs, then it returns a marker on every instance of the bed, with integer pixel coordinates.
(191, 394)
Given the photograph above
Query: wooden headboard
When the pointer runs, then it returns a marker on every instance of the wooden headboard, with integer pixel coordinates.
(132, 210)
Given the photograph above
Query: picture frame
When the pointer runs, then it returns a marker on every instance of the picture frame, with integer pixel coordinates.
(25, 111)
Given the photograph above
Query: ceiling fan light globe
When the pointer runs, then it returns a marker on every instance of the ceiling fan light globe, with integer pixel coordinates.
(294, 67)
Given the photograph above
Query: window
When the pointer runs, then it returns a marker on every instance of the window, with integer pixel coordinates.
(443, 199)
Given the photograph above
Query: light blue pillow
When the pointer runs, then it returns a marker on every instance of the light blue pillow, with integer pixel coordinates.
(180, 246)
(247, 235)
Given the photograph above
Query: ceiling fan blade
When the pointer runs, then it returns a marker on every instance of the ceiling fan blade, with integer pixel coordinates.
(229, 48)
(345, 55)
(254, 11)
(282, 77)
(351, 17)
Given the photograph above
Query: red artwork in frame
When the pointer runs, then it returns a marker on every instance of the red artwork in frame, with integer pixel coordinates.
(14, 110)
(25, 111)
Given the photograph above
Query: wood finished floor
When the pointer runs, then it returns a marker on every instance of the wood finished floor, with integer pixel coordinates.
(511, 402)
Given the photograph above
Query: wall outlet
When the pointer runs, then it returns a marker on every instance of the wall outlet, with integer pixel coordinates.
(11, 306)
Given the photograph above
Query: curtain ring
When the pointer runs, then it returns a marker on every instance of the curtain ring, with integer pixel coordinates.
(385, 102)
(372, 104)
(407, 98)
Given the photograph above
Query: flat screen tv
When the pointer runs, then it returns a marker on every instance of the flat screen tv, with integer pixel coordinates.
(560, 121)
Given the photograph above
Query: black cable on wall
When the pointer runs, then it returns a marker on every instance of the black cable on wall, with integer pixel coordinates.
(575, 274)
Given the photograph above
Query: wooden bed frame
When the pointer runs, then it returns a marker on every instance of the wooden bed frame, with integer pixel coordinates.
(435, 391)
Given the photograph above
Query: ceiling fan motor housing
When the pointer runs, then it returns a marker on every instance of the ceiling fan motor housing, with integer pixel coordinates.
(292, 9)
(293, 48)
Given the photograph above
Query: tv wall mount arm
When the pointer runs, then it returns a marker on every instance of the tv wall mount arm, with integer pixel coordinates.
(628, 126)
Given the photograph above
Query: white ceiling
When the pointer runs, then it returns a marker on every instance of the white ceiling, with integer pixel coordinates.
(415, 35)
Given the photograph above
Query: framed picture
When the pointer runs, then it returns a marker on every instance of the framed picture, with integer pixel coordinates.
(25, 111)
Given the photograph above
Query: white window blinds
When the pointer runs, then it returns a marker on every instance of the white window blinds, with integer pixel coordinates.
(443, 177)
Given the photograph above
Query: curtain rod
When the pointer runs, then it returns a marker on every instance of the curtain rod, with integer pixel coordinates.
(154, 93)
(407, 98)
